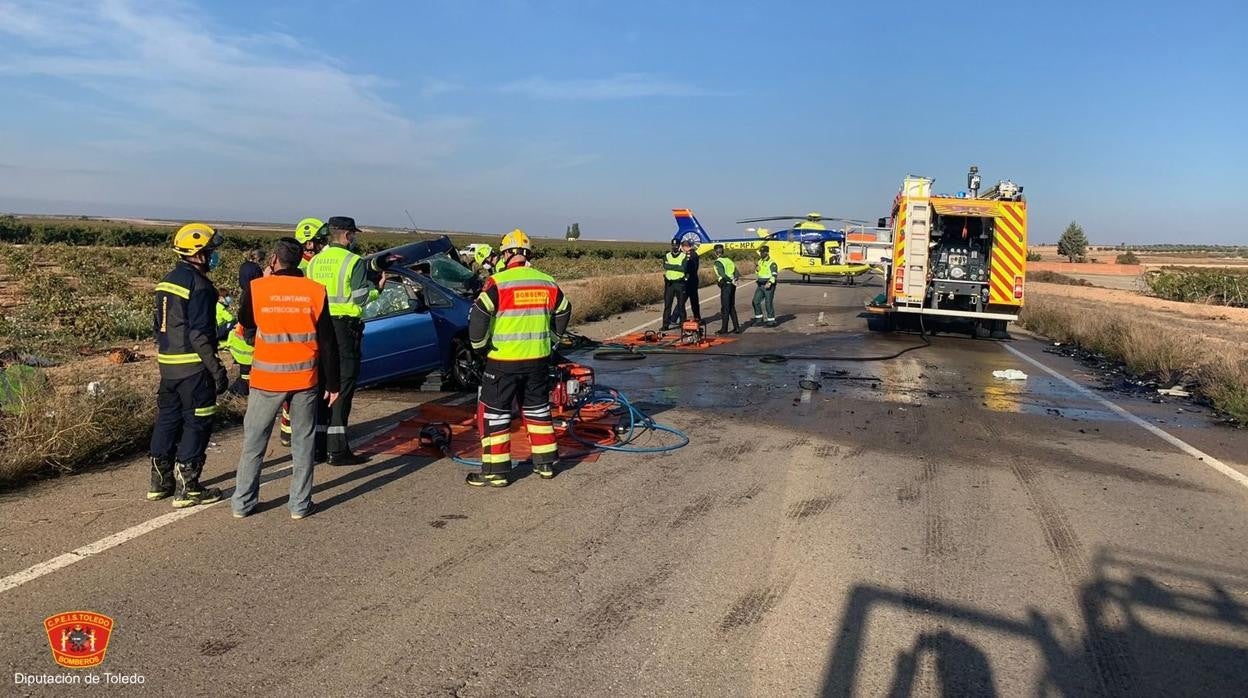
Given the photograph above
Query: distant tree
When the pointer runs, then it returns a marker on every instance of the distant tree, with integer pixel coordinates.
(1127, 257)
(574, 233)
(567, 235)
(1073, 244)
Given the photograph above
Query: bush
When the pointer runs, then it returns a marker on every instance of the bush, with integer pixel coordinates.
(1052, 277)
(1196, 285)
(1127, 257)
(1033, 256)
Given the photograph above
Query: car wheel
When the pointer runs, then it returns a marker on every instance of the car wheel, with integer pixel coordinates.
(464, 373)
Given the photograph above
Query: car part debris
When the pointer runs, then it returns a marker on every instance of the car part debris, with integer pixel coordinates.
(1010, 374)
(1176, 391)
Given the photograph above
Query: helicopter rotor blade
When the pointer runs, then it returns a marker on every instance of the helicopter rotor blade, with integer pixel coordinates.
(772, 218)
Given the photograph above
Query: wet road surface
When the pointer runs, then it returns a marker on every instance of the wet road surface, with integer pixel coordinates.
(904, 527)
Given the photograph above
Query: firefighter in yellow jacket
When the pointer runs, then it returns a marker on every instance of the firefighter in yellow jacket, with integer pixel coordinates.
(516, 320)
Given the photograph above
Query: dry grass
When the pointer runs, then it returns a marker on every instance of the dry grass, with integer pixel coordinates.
(58, 427)
(1147, 346)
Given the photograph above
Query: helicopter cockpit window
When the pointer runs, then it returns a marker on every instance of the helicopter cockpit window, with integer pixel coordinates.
(813, 249)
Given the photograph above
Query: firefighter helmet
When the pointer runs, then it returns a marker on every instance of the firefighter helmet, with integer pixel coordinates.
(310, 229)
(515, 240)
(194, 238)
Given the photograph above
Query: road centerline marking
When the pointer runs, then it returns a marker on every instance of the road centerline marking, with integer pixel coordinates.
(1160, 433)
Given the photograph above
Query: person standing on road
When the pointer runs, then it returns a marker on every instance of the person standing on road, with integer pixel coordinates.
(516, 320)
(673, 287)
(191, 375)
(296, 358)
(691, 279)
(726, 278)
(242, 341)
(768, 274)
(344, 274)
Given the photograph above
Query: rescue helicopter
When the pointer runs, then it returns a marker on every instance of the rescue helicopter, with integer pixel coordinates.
(807, 247)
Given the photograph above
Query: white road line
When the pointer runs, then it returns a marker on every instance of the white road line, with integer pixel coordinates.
(77, 554)
(810, 376)
(1151, 428)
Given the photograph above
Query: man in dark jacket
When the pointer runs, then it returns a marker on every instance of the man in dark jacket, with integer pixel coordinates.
(691, 279)
(242, 342)
(191, 375)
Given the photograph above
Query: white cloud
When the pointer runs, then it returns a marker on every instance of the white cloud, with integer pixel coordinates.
(619, 86)
(189, 85)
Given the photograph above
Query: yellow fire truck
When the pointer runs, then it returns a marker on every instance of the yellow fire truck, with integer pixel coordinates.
(955, 256)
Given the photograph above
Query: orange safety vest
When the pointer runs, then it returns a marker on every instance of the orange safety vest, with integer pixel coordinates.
(286, 309)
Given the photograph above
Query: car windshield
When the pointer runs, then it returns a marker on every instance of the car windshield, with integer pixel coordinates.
(447, 272)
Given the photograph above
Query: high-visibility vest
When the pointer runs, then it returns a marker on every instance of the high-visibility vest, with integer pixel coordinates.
(727, 269)
(766, 271)
(238, 346)
(521, 330)
(286, 309)
(223, 316)
(674, 266)
(331, 268)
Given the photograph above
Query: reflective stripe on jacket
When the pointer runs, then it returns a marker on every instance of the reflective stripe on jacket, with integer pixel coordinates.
(286, 310)
(674, 266)
(767, 271)
(238, 346)
(184, 323)
(332, 268)
(521, 327)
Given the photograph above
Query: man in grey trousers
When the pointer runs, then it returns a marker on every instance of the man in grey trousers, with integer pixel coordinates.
(295, 359)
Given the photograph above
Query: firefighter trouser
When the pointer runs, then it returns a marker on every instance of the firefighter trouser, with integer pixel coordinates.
(350, 334)
(673, 303)
(184, 411)
(728, 306)
(691, 292)
(765, 293)
(500, 390)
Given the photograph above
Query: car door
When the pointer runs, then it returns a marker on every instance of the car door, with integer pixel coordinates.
(399, 334)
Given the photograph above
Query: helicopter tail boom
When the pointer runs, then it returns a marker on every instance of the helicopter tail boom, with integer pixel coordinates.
(688, 227)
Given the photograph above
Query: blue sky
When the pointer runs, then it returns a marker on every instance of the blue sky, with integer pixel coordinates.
(485, 116)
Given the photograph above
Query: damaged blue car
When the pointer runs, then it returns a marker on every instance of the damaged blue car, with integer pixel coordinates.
(418, 323)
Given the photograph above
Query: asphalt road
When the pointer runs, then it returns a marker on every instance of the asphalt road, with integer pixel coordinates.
(910, 527)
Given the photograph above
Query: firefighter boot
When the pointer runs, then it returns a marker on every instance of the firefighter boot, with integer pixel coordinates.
(162, 479)
(545, 469)
(487, 479)
(189, 492)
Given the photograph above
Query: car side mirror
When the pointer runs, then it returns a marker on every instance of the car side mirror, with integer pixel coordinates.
(882, 223)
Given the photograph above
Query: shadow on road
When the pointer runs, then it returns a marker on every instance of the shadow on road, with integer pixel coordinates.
(1151, 625)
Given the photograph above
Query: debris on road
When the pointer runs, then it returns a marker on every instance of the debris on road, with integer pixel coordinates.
(1176, 391)
(1010, 374)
